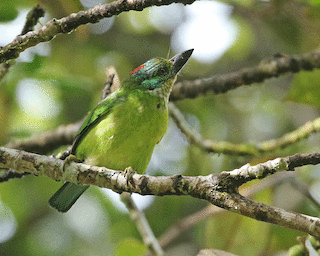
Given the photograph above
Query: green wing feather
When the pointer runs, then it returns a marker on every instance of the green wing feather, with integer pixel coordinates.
(68, 194)
(102, 109)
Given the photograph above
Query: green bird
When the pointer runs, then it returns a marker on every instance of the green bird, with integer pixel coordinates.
(124, 128)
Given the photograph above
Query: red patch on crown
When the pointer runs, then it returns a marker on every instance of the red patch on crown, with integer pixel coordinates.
(137, 69)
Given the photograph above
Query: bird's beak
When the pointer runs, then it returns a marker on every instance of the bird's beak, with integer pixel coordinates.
(180, 60)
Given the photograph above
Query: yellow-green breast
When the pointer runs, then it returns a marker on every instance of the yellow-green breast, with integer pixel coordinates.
(128, 134)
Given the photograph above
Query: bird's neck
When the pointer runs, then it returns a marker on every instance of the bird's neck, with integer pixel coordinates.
(165, 90)
(162, 93)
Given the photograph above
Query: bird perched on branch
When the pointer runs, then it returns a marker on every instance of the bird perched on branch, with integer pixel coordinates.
(124, 128)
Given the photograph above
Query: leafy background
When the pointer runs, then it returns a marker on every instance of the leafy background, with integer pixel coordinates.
(59, 82)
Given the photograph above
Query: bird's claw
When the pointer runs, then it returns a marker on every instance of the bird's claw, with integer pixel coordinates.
(71, 158)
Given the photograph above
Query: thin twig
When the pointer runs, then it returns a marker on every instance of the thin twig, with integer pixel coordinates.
(45, 143)
(142, 224)
(290, 138)
(112, 82)
(268, 68)
(32, 19)
(242, 149)
(207, 145)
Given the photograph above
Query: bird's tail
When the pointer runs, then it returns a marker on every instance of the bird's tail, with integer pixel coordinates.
(66, 196)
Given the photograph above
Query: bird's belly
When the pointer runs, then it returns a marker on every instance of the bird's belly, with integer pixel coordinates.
(117, 142)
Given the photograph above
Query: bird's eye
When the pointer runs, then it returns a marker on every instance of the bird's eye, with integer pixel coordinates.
(162, 72)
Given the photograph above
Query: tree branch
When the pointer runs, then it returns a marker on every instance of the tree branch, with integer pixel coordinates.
(242, 149)
(268, 68)
(12, 174)
(219, 189)
(112, 82)
(46, 142)
(207, 145)
(299, 160)
(188, 222)
(33, 17)
(142, 224)
(67, 24)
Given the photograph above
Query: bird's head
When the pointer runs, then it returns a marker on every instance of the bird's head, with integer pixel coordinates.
(159, 73)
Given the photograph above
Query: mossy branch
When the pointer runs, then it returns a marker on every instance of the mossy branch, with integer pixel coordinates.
(247, 149)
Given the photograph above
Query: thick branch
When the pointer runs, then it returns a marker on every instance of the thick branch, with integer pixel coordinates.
(188, 222)
(219, 189)
(74, 20)
(271, 67)
(266, 213)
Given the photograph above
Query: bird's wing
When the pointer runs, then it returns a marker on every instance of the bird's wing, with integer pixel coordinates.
(102, 109)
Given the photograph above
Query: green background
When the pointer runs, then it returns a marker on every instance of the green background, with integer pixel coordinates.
(69, 82)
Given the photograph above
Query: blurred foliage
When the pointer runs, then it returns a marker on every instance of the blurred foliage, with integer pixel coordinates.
(306, 88)
(7, 11)
(70, 73)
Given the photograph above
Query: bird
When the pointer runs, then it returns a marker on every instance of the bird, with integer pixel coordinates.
(123, 129)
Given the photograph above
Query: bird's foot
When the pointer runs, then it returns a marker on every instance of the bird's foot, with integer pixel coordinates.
(63, 155)
(128, 174)
(71, 158)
